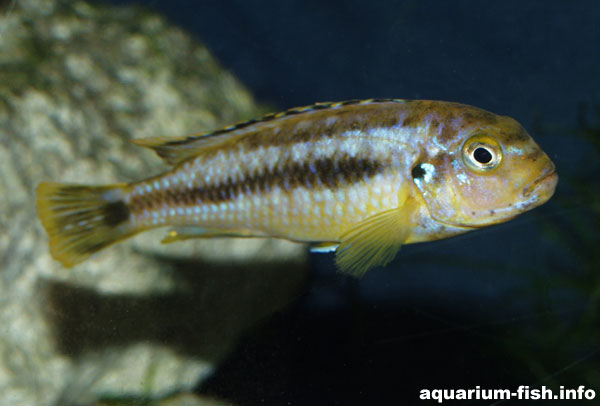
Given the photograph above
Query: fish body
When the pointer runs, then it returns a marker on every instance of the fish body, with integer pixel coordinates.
(366, 175)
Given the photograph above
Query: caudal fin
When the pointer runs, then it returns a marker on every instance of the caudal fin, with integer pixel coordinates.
(81, 220)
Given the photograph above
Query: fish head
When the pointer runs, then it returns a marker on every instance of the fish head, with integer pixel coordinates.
(488, 170)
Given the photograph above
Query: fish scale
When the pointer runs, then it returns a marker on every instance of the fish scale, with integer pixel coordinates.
(291, 190)
(365, 176)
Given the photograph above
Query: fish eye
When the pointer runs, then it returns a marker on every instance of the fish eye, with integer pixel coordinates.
(482, 153)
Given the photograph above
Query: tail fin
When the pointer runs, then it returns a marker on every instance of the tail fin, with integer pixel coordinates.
(81, 220)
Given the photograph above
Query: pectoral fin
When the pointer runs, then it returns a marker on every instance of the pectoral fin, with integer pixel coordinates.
(374, 241)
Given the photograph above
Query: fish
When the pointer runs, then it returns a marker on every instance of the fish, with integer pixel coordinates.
(358, 177)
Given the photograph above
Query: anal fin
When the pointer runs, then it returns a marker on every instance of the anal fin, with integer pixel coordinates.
(190, 232)
(324, 247)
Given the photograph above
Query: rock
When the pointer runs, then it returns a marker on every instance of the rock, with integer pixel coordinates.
(140, 319)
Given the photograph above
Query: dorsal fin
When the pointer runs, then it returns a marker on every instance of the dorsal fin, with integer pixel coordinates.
(177, 149)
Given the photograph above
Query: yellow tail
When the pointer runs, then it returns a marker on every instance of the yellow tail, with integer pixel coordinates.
(81, 220)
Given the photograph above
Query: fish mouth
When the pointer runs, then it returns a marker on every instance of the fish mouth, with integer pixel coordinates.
(542, 187)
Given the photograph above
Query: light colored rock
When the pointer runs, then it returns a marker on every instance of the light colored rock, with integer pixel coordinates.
(77, 82)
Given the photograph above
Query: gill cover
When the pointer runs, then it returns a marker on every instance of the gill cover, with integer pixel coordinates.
(460, 187)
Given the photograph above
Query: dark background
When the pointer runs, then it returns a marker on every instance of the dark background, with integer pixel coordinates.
(510, 305)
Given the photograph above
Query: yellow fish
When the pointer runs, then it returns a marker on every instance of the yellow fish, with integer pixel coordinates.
(362, 177)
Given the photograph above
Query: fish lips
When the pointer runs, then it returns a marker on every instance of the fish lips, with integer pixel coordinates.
(543, 187)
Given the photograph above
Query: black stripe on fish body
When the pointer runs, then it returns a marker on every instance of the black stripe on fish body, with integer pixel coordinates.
(322, 173)
(287, 113)
(111, 213)
(115, 213)
(338, 124)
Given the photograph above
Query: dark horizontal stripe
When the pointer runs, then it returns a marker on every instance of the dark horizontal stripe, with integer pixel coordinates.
(322, 173)
(273, 116)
